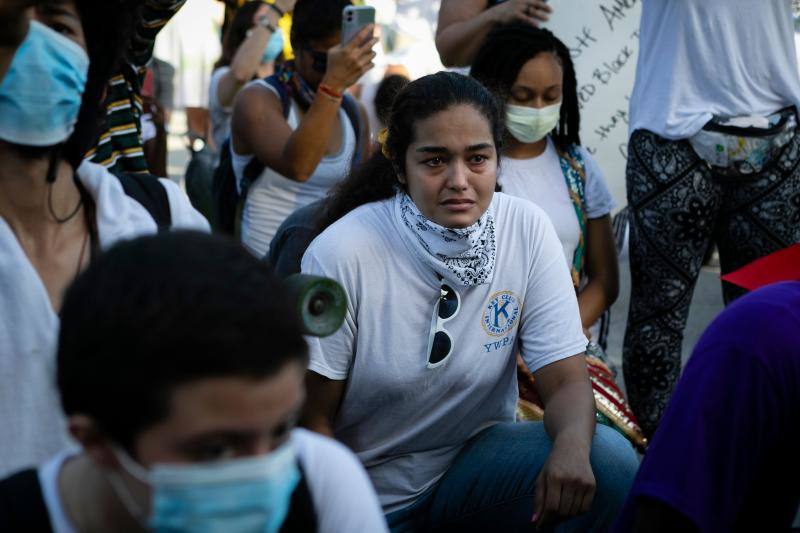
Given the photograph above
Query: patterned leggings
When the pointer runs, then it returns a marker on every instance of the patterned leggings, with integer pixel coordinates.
(679, 207)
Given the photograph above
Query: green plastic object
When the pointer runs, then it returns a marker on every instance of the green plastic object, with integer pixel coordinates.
(320, 302)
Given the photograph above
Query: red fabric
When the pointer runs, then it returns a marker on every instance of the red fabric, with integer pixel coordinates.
(783, 265)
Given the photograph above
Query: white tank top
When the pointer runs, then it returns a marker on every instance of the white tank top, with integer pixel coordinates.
(273, 197)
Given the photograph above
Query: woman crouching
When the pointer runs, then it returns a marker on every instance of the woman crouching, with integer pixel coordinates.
(446, 280)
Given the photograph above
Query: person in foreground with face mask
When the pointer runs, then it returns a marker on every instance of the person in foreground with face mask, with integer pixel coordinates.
(56, 214)
(532, 72)
(183, 392)
(252, 43)
(446, 282)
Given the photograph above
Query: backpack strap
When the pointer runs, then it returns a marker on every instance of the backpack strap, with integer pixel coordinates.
(574, 169)
(350, 106)
(148, 191)
(302, 516)
(22, 506)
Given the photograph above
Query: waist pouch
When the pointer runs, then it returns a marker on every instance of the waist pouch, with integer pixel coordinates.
(743, 146)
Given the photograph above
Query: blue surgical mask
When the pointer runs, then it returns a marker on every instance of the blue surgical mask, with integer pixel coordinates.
(251, 494)
(274, 47)
(40, 96)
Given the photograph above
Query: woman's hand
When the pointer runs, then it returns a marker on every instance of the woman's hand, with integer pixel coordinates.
(348, 62)
(531, 11)
(565, 486)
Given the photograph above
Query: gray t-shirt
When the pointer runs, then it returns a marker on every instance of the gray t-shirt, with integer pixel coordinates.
(405, 421)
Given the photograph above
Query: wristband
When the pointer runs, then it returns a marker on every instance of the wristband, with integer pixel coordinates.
(278, 10)
(265, 23)
(330, 91)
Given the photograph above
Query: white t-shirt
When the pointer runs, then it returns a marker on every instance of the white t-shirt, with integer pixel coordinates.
(407, 422)
(273, 197)
(701, 58)
(33, 426)
(220, 114)
(342, 495)
(541, 180)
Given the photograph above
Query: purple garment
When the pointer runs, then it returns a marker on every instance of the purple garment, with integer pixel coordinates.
(726, 454)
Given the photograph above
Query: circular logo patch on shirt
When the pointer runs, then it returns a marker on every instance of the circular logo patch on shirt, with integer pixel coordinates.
(501, 313)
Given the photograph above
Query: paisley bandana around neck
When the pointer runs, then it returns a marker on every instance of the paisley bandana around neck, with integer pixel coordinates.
(464, 256)
(295, 85)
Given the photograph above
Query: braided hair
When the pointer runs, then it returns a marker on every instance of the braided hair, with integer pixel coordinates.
(505, 52)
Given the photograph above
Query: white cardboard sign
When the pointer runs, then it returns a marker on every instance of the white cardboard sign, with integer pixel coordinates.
(603, 38)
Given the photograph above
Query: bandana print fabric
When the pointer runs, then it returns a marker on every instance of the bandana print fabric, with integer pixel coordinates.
(464, 256)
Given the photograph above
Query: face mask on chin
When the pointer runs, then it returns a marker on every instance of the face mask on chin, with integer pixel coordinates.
(251, 494)
(40, 96)
(530, 124)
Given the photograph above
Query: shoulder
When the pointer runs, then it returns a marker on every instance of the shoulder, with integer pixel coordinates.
(121, 216)
(359, 232)
(217, 74)
(518, 211)
(184, 215)
(343, 496)
(599, 201)
(319, 454)
(258, 95)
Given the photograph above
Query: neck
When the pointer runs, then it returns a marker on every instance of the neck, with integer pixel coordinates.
(520, 150)
(24, 194)
(89, 499)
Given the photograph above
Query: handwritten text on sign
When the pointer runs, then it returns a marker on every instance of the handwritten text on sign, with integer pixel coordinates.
(603, 38)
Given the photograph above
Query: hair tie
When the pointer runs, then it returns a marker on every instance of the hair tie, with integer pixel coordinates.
(383, 136)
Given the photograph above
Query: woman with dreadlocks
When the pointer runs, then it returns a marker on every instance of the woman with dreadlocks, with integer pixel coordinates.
(532, 72)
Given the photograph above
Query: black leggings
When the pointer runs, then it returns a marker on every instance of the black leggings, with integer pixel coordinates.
(679, 207)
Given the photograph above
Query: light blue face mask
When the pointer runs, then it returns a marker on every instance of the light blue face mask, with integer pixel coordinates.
(274, 47)
(248, 495)
(40, 96)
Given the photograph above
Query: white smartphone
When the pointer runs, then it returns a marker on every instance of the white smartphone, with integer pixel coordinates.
(354, 19)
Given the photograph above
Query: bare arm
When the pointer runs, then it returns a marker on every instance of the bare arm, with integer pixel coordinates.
(245, 63)
(247, 58)
(259, 128)
(602, 270)
(566, 484)
(323, 398)
(464, 24)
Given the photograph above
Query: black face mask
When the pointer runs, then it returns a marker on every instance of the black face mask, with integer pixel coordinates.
(319, 59)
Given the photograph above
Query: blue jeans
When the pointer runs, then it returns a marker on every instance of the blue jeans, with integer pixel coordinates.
(490, 485)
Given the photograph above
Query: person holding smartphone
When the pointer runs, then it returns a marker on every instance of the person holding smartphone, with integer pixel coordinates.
(300, 125)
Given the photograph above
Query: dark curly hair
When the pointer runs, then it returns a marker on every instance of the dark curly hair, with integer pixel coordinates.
(502, 56)
(377, 179)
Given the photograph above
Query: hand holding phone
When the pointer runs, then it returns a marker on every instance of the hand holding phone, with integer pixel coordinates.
(348, 62)
(355, 19)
